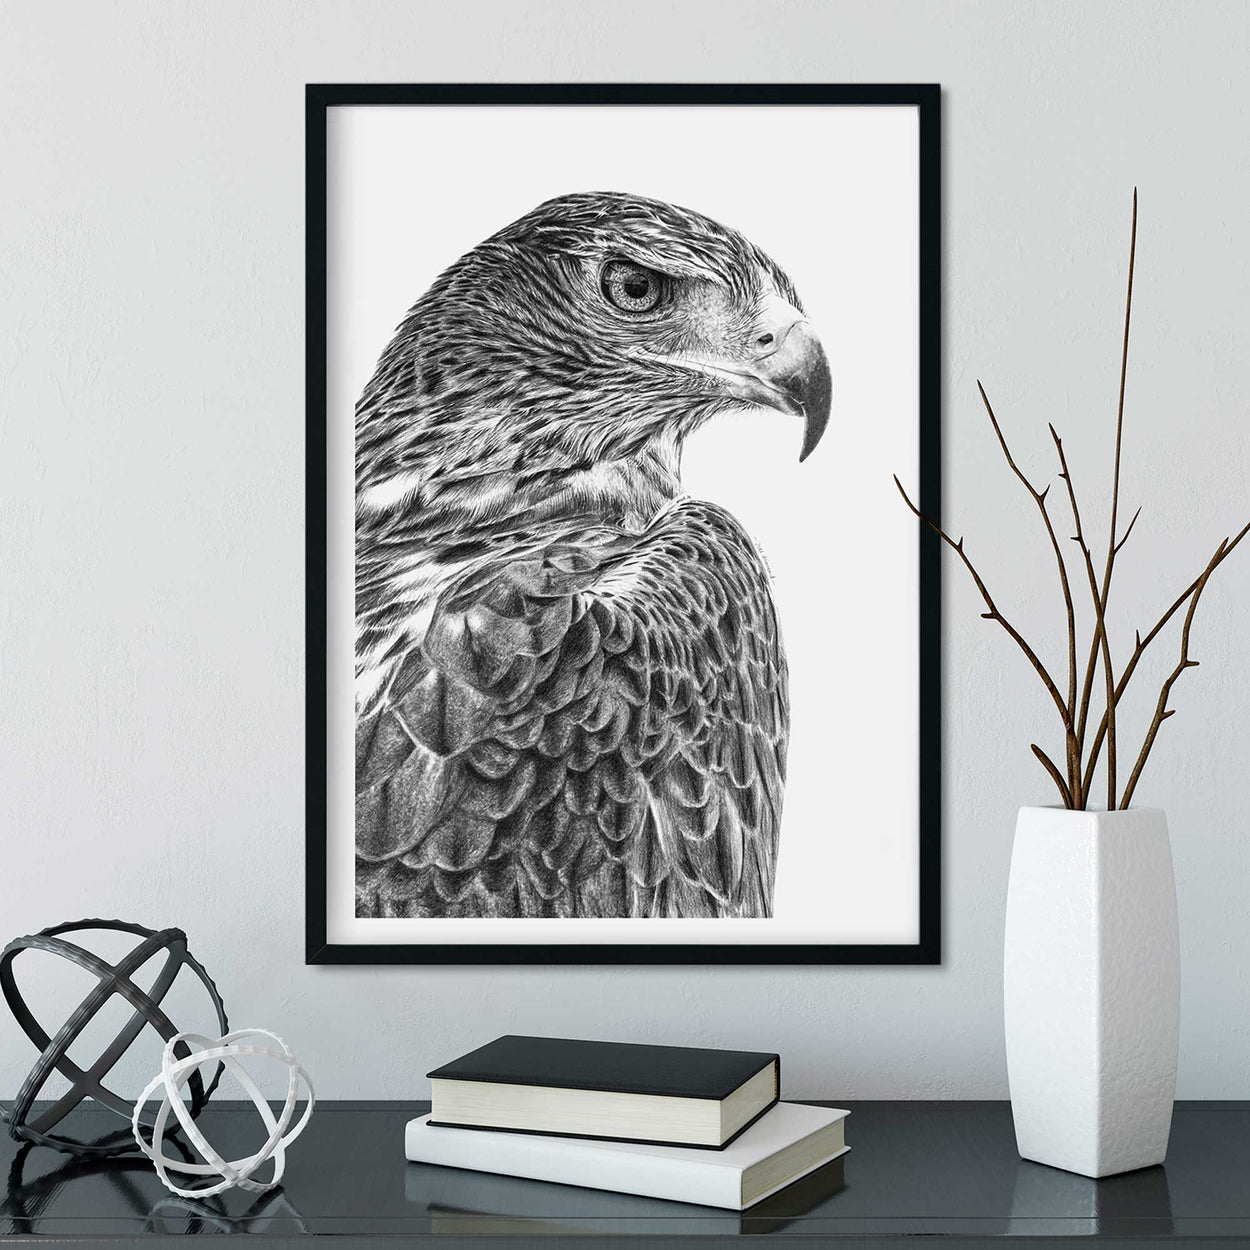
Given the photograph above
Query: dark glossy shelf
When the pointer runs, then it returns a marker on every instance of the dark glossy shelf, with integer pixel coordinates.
(945, 1169)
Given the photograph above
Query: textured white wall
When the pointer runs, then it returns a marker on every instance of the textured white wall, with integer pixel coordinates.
(151, 479)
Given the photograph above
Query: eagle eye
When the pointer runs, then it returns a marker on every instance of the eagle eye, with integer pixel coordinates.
(630, 287)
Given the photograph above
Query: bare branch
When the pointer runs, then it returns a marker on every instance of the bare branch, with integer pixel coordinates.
(1074, 712)
(993, 614)
(1162, 711)
(1119, 418)
(1141, 643)
(1100, 641)
(1112, 547)
(1049, 765)
(1039, 498)
(1128, 531)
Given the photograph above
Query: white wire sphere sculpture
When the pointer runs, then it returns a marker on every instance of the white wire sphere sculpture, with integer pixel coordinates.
(228, 1051)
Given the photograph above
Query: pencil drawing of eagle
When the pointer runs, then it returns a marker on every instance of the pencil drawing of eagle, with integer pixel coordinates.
(571, 689)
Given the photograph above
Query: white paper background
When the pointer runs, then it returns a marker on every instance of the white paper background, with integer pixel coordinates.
(832, 195)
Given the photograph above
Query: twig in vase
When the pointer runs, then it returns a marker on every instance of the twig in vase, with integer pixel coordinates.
(1100, 642)
(1072, 791)
(1141, 643)
(993, 614)
(1162, 711)
(1049, 765)
(1100, 639)
(1074, 712)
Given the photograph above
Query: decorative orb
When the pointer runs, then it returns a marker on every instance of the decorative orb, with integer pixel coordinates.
(179, 1067)
(35, 1126)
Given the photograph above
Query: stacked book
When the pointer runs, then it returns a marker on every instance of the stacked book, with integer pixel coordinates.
(692, 1125)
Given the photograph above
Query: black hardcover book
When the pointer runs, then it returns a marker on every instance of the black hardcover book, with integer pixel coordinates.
(674, 1095)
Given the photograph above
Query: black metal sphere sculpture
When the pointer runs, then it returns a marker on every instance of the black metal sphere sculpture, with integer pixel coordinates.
(111, 979)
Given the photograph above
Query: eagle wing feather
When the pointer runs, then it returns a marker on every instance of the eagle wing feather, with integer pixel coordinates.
(596, 729)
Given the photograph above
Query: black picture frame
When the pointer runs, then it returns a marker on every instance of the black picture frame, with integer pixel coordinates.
(926, 99)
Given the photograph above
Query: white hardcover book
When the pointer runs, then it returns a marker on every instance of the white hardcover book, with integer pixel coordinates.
(786, 1143)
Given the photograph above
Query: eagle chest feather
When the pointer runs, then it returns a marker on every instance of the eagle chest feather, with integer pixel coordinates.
(592, 726)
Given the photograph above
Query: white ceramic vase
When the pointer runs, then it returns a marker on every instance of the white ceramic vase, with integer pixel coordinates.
(1091, 988)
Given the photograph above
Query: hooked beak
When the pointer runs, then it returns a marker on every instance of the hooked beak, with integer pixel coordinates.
(785, 369)
(789, 371)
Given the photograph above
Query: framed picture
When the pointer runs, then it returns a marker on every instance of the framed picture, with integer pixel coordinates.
(622, 647)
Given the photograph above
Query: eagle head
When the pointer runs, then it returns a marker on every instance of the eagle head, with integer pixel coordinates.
(594, 327)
